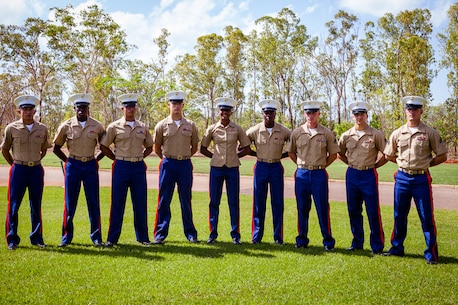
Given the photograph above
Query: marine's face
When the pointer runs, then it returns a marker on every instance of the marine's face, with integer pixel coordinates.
(269, 117)
(82, 112)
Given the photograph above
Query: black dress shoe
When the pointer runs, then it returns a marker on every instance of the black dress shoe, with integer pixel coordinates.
(98, 243)
(40, 245)
(236, 241)
(109, 244)
(300, 246)
(193, 240)
(328, 248)
(211, 240)
(12, 246)
(159, 241)
(354, 248)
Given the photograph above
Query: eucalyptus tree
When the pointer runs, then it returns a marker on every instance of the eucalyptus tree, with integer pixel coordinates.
(23, 49)
(372, 79)
(9, 89)
(234, 64)
(281, 42)
(449, 46)
(407, 57)
(253, 87)
(90, 46)
(202, 74)
(337, 57)
(449, 109)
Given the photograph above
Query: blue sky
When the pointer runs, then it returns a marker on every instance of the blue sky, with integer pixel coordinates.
(188, 19)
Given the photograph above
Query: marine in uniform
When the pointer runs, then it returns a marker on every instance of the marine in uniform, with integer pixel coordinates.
(175, 141)
(132, 143)
(361, 147)
(82, 134)
(24, 144)
(412, 146)
(312, 147)
(224, 166)
(269, 138)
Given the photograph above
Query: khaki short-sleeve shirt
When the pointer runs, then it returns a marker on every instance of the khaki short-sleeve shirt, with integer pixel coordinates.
(269, 146)
(176, 140)
(25, 145)
(81, 142)
(362, 150)
(225, 140)
(414, 151)
(128, 142)
(312, 150)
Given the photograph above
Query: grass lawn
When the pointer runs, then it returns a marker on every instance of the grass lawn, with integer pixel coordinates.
(183, 273)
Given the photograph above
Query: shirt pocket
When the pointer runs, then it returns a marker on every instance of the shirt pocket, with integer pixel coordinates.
(403, 146)
(186, 132)
(351, 146)
(21, 142)
(421, 145)
(232, 135)
(92, 135)
(302, 144)
(37, 138)
(167, 132)
(368, 144)
(261, 140)
(139, 138)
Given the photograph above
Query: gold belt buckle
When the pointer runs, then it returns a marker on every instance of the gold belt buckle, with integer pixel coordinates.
(30, 163)
(133, 159)
(269, 161)
(84, 159)
(179, 157)
(310, 168)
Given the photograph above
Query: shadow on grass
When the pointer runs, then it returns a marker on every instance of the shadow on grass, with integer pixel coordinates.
(217, 250)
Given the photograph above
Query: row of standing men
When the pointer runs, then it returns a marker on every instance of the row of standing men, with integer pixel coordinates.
(414, 147)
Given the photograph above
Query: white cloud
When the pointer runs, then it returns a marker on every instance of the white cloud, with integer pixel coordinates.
(439, 12)
(378, 8)
(185, 20)
(14, 12)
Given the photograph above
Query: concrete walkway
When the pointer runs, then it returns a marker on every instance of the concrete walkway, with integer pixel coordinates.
(445, 196)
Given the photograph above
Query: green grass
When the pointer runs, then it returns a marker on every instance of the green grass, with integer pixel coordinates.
(184, 273)
(442, 174)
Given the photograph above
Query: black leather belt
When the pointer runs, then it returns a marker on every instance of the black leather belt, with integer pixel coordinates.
(28, 163)
(82, 159)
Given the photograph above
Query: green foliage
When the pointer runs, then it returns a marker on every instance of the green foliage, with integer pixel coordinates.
(84, 51)
(339, 129)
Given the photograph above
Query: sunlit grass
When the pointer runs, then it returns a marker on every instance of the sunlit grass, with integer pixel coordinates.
(183, 273)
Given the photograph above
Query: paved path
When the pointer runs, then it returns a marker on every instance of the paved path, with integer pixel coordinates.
(445, 196)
